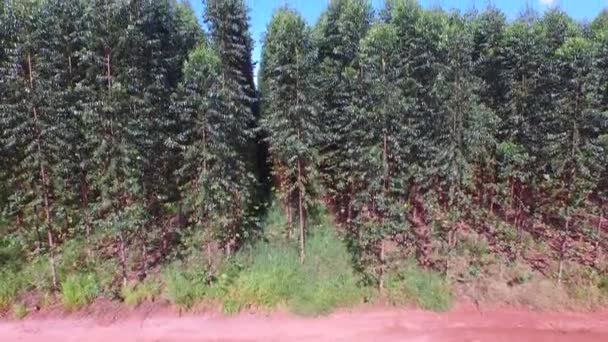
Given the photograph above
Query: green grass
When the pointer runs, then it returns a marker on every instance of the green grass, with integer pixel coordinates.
(146, 291)
(268, 281)
(274, 277)
(603, 285)
(412, 285)
(329, 279)
(19, 311)
(37, 275)
(78, 290)
(10, 284)
(184, 286)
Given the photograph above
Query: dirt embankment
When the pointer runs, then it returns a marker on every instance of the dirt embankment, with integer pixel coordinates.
(383, 325)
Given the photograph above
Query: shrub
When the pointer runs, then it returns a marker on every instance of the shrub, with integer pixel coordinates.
(184, 286)
(412, 285)
(275, 277)
(271, 279)
(603, 285)
(330, 280)
(275, 224)
(78, 290)
(146, 291)
(37, 275)
(19, 311)
(12, 254)
(10, 283)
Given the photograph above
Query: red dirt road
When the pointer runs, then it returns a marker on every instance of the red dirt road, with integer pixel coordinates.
(377, 325)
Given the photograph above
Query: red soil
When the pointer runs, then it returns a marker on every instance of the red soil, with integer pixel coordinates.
(463, 324)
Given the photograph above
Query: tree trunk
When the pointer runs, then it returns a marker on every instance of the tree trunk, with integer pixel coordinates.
(385, 195)
(289, 215)
(44, 180)
(86, 218)
(562, 252)
(382, 264)
(301, 212)
(598, 247)
(209, 259)
(108, 72)
(123, 258)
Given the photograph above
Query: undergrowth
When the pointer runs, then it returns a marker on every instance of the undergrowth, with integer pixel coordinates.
(411, 285)
(19, 311)
(267, 275)
(184, 285)
(10, 283)
(272, 276)
(147, 291)
(78, 290)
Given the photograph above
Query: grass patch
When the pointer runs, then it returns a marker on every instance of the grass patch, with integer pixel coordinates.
(274, 277)
(330, 280)
(184, 286)
(412, 285)
(10, 283)
(271, 279)
(603, 285)
(146, 291)
(78, 290)
(19, 311)
(36, 275)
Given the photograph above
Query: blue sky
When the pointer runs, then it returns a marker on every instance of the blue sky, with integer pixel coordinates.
(261, 10)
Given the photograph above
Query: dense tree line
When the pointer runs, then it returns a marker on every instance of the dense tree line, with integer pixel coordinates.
(427, 123)
(122, 119)
(125, 121)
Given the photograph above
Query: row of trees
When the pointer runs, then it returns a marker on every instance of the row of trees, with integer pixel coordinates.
(122, 118)
(421, 123)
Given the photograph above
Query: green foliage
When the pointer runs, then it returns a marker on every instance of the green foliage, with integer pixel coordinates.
(290, 116)
(36, 275)
(412, 285)
(184, 286)
(19, 311)
(12, 253)
(78, 290)
(603, 285)
(10, 285)
(330, 282)
(275, 277)
(337, 36)
(147, 291)
(271, 279)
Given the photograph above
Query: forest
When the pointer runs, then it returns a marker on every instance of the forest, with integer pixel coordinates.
(408, 154)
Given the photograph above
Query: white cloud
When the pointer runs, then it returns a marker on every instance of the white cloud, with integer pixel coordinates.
(547, 2)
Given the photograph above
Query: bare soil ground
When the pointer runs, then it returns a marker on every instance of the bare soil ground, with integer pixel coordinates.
(383, 325)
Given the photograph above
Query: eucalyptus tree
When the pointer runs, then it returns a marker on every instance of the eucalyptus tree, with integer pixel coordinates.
(31, 126)
(488, 55)
(118, 210)
(8, 22)
(164, 37)
(573, 147)
(419, 51)
(463, 136)
(337, 37)
(67, 23)
(228, 25)
(289, 113)
(599, 35)
(207, 173)
(489, 32)
(518, 152)
(384, 145)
